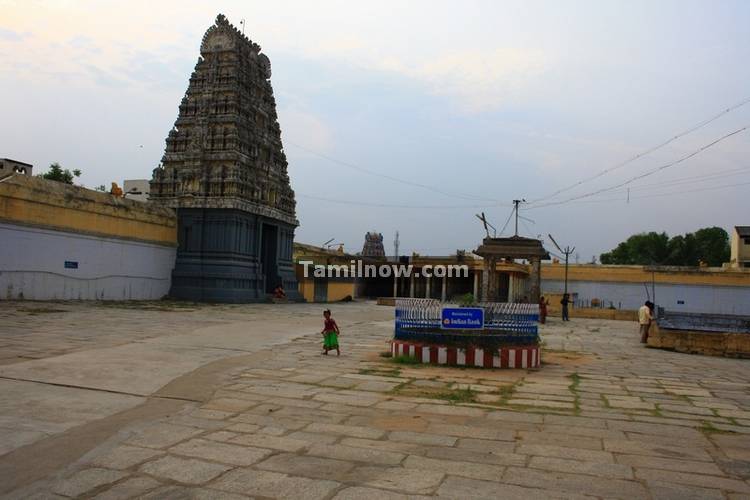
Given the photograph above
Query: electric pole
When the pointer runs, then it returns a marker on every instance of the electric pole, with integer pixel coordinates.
(567, 252)
(516, 203)
(395, 247)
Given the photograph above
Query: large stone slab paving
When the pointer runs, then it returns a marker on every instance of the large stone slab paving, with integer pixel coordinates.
(86, 481)
(307, 466)
(231, 454)
(596, 469)
(356, 454)
(460, 487)
(285, 427)
(122, 457)
(129, 488)
(184, 470)
(575, 483)
(359, 493)
(32, 411)
(162, 435)
(274, 485)
(472, 470)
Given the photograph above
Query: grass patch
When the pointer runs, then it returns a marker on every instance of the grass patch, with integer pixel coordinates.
(41, 310)
(709, 428)
(656, 412)
(406, 360)
(456, 395)
(154, 305)
(452, 395)
(383, 372)
(575, 381)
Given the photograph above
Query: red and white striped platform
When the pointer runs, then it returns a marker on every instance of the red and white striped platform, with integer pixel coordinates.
(505, 357)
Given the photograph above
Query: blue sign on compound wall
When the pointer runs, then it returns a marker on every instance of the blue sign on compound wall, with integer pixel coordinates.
(464, 318)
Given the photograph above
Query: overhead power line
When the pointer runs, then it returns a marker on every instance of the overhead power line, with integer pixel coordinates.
(688, 180)
(387, 205)
(390, 177)
(654, 195)
(646, 152)
(647, 173)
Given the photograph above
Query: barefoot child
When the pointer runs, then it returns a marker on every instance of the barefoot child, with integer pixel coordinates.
(330, 333)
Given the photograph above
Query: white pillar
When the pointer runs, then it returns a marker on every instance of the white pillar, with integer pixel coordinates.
(427, 287)
(476, 285)
(511, 287)
(444, 295)
(395, 286)
(411, 286)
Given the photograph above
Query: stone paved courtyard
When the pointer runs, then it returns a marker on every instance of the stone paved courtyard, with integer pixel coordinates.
(257, 411)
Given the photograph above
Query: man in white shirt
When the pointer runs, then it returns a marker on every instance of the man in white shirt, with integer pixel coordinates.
(645, 316)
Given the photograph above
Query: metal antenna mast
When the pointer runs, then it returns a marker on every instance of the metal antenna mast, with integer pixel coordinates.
(487, 225)
(395, 246)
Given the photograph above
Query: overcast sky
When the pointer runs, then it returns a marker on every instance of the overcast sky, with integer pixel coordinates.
(481, 102)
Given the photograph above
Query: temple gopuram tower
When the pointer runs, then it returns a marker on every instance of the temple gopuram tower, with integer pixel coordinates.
(373, 246)
(225, 172)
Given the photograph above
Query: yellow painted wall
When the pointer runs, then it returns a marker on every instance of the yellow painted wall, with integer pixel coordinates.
(306, 287)
(740, 252)
(639, 274)
(55, 205)
(338, 290)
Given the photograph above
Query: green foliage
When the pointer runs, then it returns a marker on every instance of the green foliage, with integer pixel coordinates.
(406, 360)
(710, 245)
(57, 173)
(467, 300)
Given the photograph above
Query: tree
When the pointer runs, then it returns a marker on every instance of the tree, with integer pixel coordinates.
(710, 245)
(56, 173)
(643, 248)
(713, 245)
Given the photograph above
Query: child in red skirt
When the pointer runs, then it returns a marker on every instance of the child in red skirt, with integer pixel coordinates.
(330, 333)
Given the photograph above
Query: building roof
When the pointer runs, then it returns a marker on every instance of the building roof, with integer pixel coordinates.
(16, 161)
(743, 231)
(516, 247)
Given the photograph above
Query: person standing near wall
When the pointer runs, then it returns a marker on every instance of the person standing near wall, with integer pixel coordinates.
(543, 303)
(645, 317)
(565, 301)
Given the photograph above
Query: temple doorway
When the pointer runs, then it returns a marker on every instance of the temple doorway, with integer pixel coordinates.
(268, 246)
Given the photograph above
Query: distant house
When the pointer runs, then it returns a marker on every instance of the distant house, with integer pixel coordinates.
(740, 247)
(136, 189)
(9, 167)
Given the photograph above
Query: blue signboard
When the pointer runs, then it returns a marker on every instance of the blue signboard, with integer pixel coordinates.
(464, 318)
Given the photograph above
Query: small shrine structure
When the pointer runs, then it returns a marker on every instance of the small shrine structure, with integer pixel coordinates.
(515, 247)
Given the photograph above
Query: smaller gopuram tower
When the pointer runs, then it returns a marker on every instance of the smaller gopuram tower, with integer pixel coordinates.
(225, 172)
(373, 246)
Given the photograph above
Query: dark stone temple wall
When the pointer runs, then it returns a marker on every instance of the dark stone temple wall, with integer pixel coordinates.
(227, 255)
(225, 172)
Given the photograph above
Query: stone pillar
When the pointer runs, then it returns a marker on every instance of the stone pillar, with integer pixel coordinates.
(536, 280)
(476, 285)
(395, 286)
(489, 282)
(427, 287)
(444, 294)
(411, 286)
(511, 287)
